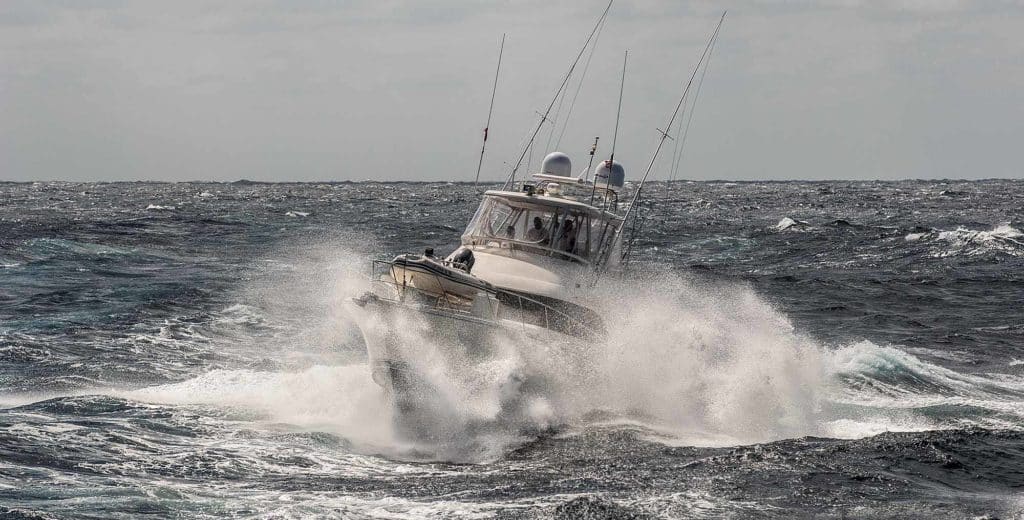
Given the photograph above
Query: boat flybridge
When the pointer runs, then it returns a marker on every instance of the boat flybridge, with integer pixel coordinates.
(521, 272)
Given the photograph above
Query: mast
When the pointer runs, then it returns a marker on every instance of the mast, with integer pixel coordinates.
(494, 91)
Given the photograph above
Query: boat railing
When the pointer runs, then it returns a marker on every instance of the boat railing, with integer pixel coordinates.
(553, 319)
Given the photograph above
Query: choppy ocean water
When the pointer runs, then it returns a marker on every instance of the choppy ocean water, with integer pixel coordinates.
(839, 349)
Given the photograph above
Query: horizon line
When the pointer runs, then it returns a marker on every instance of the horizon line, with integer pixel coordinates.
(379, 181)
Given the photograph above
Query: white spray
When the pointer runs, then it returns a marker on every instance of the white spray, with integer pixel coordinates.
(697, 363)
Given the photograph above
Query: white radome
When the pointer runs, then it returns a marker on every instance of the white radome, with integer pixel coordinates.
(613, 175)
(557, 163)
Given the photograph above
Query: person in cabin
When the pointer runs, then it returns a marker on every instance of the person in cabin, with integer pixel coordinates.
(568, 241)
(510, 232)
(537, 233)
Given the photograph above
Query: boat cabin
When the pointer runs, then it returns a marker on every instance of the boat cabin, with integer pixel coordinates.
(542, 221)
(542, 239)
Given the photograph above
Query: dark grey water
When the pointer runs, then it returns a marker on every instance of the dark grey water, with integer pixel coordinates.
(791, 349)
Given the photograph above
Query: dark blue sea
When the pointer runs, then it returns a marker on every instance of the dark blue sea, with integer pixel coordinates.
(776, 350)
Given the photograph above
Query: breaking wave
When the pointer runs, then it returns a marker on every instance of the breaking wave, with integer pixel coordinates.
(1003, 238)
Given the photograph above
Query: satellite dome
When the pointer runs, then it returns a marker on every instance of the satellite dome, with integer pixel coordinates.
(557, 163)
(610, 173)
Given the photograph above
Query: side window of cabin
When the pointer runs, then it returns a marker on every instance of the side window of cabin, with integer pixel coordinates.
(498, 218)
(513, 229)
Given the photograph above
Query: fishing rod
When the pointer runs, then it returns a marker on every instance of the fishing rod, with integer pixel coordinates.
(494, 91)
(661, 142)
(544, 117)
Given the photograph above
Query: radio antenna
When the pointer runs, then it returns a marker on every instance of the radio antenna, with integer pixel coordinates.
(615, 136)
(618, 112)
(489, 111)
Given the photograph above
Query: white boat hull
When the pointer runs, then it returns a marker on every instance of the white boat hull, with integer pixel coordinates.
(412, 348)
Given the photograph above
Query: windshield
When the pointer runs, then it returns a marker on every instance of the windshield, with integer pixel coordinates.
(566, 233)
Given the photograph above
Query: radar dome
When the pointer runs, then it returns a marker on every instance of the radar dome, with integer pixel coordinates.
(557, 163)
(610, 173)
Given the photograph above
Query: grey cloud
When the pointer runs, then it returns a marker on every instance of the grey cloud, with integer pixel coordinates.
(398, 89)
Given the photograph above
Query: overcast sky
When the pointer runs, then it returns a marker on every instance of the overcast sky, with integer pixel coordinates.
(398, 89)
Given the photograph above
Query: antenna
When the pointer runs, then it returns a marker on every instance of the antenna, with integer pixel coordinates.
(512, 176)
(489, 111)
(618, 112)
(593, 150)
(615, 136)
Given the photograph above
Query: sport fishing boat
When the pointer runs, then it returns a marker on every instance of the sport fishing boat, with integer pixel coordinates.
(522, 275)
(517, 276)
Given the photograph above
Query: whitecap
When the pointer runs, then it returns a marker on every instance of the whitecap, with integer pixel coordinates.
(791, 224)
(1001, 238)
(155, 207)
